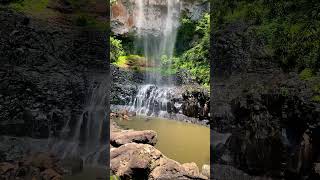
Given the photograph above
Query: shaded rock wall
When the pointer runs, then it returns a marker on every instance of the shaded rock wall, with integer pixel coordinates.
(274, 123)
(46, 73)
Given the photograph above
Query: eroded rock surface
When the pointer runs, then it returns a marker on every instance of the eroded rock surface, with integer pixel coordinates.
(37, 166)
(132, 157)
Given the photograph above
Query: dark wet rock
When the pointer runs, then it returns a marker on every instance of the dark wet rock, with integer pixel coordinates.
(269, 112)
(5, 1)
(46, 74)
(62, 6)
(225, 172)
(196, 104)
(124, 85)
(72, 165)
(15, 148)
(35, 166)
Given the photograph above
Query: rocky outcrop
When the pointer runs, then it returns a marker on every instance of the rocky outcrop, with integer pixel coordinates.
(128, 136)
(196, 104)
(269, 112)
(124, 13)
(185, 101)
(46, 74)
(132, 159)
(124, 85)
(37, 166)
(143, 161)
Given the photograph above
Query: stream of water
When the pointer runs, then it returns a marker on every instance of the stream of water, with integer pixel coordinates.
(86, 138)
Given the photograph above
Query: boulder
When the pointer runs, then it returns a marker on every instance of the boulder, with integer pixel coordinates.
(206, 170)
(191, 168)
(143, 161)
(50, 174)
(127, 136)
(34, 166)
(133, 160)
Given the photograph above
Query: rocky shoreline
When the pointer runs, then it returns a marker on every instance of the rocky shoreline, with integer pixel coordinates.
(132, 156)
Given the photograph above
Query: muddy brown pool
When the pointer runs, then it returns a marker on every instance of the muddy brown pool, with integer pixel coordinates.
(180, 141)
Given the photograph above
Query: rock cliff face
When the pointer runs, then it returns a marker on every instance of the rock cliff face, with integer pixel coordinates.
(46, 74)
(274, 123)
(124, 14)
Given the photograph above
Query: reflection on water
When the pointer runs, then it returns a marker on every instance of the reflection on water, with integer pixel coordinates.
(89, 173)
(180, 141)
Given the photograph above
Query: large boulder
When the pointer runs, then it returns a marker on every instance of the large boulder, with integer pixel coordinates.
(143, 161)
(36, 166)
(122, 137)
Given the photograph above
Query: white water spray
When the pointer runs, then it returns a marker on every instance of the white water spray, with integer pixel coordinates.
(158, 36)
(87, 137)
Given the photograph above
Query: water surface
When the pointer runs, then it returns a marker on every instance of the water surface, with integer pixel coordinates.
(180, 141)
(89, 173)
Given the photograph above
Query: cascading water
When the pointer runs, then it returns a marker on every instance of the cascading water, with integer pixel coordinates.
(86, 138)
(154, 101)
(158, 41)
(158, 37)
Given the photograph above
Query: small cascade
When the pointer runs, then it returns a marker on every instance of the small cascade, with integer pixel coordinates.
(152, 100)
(86, 138)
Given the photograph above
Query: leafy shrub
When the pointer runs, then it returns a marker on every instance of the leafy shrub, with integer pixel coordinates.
(196, 58)
(116, 49)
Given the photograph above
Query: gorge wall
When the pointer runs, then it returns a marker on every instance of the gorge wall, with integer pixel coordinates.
(47, 74)
(273, 120)
(123, 14)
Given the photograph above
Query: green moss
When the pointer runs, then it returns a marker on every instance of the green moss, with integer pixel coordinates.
(316, 98)
(134, 62)
(121, 62)
(86, 20)
(289, 28)
(114, 177)
(284, 91)
(306, 74)
(34, 7)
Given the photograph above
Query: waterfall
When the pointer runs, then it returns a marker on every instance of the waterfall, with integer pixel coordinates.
(152, 100)
(86, 138)
(157, 38)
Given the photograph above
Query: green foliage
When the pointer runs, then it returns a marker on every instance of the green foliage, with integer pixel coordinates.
(86, 20)
(306, 74)
(185, 35)
(196, 58)
(133, 62)
(32, 6)
(316, 98)
(114, 177)
(113, 1)
(290, 28)
(116, 49)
